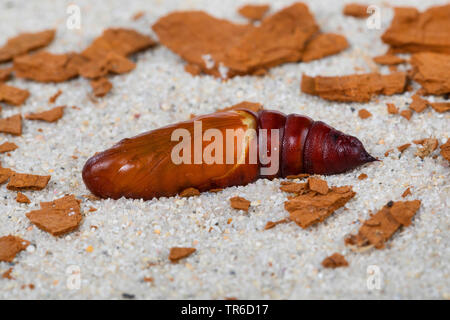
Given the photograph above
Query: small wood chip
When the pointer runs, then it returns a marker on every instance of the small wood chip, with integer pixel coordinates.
(429, 145)
(311, 207)
(240, 203)
(271, 224)
(388, 152)
(193, 69)
(57, 217)
(336, 260)
(10, 246)
(364, 114)
(356, 10)
(389, 60)
(5, 174)
(12, 125)
(362, 176)
(406, 193)
(292, 187)
(24, 43)
(24, 181)
(189, 192)
(21, 198)
(138, 15)
(391, 108)
(7, 147)
(12, 95)
(177, 253)
(253, 12)
(298, 176)
(51, 115)
(407, 114)
(53, 98)
(149, 279)
(445, 150)
(403, 147)
(440, 107)
(5, 74)
(381, 226)
(318, 185)
(101, 87)
(7, 274)
(418, 104)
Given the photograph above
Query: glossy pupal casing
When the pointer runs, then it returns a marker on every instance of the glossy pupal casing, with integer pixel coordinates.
(142, 167)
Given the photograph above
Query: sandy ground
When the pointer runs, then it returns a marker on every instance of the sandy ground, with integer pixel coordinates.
(238, 259)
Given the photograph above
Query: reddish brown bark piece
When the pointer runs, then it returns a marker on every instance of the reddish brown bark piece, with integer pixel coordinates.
(24, 43)
(189, 192)
(7, 274)
(391, 108)
(254, 12)
(107, 53)
(122, 41)
(412, 31)
(252, 106)
(10, 246)
(406, 193)
(292, 187)
(389, 60)
(240, 203)
(21, 198)
(298, 176)
(53, 98)
(354, 88)
(111, 63)
(193, 69)
(177, 253)
(429, 145)
(5, 174)
(48, 67)
(382, 225)
(403, 147)
(440, 106)
(356, 10)
(336, 260)
(138, 15)
(388, 152)
(432, 71)
(318, 185)
(24, 181)
(12, 125)
(271, 224)
(362, 176)
(5, 74)
(407, 114)
(224, 49)
(445, 150)
(51, 115)
(311, 208)
(364, 114)
(57, 217)
(7, 147)
(12, 95)
(101, 87)
(323, 45)
(418, 104)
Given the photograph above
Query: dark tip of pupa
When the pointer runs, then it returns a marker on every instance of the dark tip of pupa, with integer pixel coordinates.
(366, 157)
